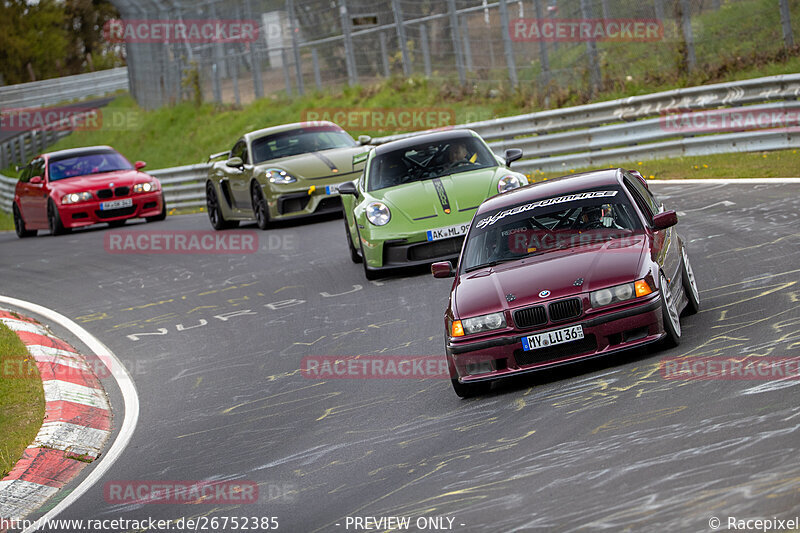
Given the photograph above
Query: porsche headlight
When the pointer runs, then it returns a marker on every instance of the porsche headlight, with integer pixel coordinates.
(479, 323)
(75, 197)
(276, 175)
(144, 187)
(620, 293)
(508, 183)
(378, 214)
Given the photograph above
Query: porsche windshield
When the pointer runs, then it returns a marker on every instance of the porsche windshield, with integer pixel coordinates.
(299, 141)
(84, 164)
(427, 161)
(577, 219)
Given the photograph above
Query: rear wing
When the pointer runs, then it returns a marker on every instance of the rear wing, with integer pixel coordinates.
(216, 156)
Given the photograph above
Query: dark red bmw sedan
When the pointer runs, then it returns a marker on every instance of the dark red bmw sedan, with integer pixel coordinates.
(561, 271)
(58, 191)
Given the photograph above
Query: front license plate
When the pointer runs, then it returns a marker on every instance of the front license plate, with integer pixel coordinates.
(332, 189)
(116, 204)
(551, 338)
(446, 233)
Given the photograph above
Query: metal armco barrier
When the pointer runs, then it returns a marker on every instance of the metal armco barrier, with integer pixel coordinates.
(68, 88)
(602, 134)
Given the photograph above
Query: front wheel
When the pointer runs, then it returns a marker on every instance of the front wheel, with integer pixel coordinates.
(19, 225)
(215, 216)
(260, 209)
(470, 390)
(54, 220)
(669, 312)
(689, 285)
(355, 257)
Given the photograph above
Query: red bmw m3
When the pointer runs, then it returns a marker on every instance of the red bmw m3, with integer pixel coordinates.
(59, 191)
(582, 266)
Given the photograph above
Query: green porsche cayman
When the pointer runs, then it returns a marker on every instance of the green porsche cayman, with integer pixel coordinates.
(282, 172)
(415, 200)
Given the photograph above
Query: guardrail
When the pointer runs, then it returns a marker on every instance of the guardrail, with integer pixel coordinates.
(67, 88)
(613, 132)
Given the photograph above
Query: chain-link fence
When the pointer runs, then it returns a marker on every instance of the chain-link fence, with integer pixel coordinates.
(548, 48)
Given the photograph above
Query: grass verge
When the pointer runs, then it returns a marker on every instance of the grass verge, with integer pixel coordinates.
(6, 221)
(21, 399)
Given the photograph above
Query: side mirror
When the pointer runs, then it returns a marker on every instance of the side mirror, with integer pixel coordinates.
(442, 269)
(364, 139)
(665, 220)
(139, 165)
(235, 162)
(511, 155)
(348, 187)
(36, 180)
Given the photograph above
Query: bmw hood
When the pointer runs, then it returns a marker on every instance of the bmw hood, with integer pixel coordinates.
(550, 275)
(458, 193)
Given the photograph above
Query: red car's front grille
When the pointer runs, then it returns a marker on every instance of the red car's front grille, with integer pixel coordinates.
(111, 213)
(559, 351)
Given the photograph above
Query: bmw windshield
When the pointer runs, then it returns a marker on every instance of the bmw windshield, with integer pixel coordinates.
(576, 219)
(84, 164)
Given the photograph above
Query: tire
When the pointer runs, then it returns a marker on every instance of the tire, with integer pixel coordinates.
(672, 322)
(470, 390)
(117, 223)
(260, 209)
(19, 225)
(162, 215)
(355, 256)
(689, 285)
(215, 216)
(54, 220)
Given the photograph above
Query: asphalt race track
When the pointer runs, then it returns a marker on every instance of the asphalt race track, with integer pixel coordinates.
(610, 445)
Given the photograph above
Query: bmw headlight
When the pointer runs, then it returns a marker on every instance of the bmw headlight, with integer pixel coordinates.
(276, 175)
(378, 214)
(75, 197)
(508, 183)
(144, 187)
(620, 293)
(468, 326)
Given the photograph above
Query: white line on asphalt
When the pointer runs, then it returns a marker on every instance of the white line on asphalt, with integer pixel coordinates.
(129, 396)
(734, 181)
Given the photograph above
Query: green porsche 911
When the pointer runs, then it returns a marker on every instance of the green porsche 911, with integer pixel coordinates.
(417, 196)
(282, 172)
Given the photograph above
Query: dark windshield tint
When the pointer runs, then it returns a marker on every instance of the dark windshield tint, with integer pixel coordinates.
(299, 141)
(89, 163)
(427, 161)
(581, 218)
